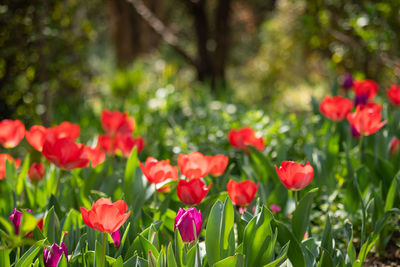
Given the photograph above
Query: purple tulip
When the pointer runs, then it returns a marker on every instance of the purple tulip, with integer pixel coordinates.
(360, 99)
(116, 236)
(184, 221)
(53, 254)
(15, 218)
(347, 81)
(354, 132)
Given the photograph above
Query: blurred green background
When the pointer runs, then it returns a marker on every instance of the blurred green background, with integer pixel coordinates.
(188, 71)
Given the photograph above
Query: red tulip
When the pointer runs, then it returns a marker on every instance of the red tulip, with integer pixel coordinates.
(105, 216)
(63, 130)
(125, 143)
(335, 108)
(364, 91)
(366, 119)
(394, 146)
(106, 143)
(394, 95)
(158, 171)
(217, 164)
(11, 133)
(3, 158)
(36, 172)
(242, 193)
(193, 165)
(295, 176)
(116, 122)
(36, 136)
(244, 137)
(65, 154)
(95, 155)
(191, 192)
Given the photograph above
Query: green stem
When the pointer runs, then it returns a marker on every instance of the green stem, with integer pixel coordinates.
(360, 146)
(35, 195)
(103, 263)
(18, 253)
(296, 198)
(58, 182)
(155, 196)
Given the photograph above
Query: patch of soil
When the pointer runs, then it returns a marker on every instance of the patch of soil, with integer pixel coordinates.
(391, 258)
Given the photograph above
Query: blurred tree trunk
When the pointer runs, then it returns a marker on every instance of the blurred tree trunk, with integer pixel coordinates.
(131, 35)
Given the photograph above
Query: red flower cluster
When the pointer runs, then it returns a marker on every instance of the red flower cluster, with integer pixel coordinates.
(335, 108)
(245, 137)
(119, 128)
(196, 166)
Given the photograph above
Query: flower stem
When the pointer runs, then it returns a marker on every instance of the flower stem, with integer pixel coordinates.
(360, 145)
(155, 196)
(18, 253)
(296, 198)
(58, 182)
(103, 263)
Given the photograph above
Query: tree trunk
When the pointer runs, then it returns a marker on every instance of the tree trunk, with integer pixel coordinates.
(130, 34)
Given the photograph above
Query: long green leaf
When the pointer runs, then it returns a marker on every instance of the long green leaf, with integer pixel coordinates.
(301, 216)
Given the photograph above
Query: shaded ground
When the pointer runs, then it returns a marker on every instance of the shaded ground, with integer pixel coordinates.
(392, 258)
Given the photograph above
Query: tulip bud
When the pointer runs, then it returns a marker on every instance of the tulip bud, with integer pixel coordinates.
(36, 172)
(15, 218)
(116, 237)
(347, 81)
(53, 254)
(185, 221)
(394, 146)
(275, 208)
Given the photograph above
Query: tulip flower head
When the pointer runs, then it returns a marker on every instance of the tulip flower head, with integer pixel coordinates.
(241, 193)
(295, 176)
(366, 120)
(36, 172)
(95, 155)
(53, 254)
(217, 164)
(3, 159)
(186, 221)
(105, 216)
(394, 146)
(11, 133)
(193, 165)
(117, 122)
(65, 153)
(66, 129)
(335, 108)
(191, 192)
(394, 95)
(244, 137)
(158, 171)
(36, 137)
(364, 90)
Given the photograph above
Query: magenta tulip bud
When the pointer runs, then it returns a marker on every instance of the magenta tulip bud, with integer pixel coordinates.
(354, 132)
(15, 218)
(275, 208)
(116, 237)
(53, 254)
(184, 221)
